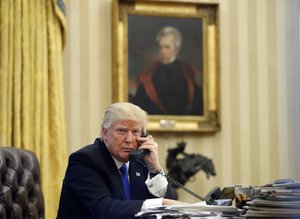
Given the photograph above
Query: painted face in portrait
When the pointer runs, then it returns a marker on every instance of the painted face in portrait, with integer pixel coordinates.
(121, 138)
(167, 49)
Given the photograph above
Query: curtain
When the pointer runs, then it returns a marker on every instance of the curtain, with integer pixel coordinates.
(32, 36)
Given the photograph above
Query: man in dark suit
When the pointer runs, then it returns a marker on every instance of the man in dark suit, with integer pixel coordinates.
(93, 187)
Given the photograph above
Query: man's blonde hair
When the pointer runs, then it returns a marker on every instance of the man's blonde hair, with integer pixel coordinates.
(124, 111)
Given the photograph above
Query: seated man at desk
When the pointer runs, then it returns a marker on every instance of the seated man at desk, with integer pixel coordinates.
(94, 186)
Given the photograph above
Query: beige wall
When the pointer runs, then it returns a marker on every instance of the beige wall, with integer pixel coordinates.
(259, 141)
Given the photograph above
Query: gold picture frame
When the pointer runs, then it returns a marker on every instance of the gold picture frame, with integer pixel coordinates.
(135, 24)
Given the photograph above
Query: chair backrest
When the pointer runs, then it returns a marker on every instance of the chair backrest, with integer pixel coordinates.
(20, 185)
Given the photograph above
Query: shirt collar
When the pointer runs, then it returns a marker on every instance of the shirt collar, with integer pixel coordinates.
(119, 163)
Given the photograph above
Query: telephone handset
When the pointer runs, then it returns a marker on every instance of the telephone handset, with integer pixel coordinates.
(140, 153)
(209, 198)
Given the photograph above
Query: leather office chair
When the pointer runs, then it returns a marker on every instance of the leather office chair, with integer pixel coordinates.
(21, 195)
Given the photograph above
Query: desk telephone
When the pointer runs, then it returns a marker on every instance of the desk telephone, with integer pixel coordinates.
(210, 198)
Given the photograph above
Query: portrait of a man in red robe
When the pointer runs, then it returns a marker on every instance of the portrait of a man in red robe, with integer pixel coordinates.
(169, 82)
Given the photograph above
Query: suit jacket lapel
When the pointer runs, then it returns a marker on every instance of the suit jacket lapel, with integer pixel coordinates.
(115, 177)
(138, 177)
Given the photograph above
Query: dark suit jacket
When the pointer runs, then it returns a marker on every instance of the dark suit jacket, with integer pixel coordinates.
(92, 187)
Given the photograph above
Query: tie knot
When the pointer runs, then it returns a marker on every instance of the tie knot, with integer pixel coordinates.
(123, 168)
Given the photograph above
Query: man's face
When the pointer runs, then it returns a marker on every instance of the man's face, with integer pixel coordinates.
(167, 49)
(121, 138)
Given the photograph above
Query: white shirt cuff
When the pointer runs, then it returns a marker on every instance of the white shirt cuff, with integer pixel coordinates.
(151, 203)
(157, 186)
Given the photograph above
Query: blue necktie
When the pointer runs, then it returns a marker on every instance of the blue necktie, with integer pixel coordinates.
(125, 181)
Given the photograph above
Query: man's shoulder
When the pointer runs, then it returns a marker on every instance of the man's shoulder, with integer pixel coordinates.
(186, 68)
(150, 67)
(184, 64)
(89, 150)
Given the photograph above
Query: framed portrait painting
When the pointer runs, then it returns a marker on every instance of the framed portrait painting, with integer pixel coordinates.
(166, 60)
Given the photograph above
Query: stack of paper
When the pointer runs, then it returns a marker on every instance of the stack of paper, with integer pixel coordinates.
(191, 211)
(276, 201)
